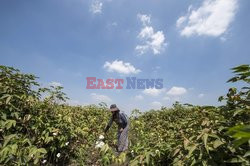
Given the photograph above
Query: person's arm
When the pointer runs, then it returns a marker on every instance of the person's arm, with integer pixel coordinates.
(109, 124)
(124, 119)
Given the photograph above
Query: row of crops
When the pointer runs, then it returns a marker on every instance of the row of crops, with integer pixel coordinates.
(37, 128)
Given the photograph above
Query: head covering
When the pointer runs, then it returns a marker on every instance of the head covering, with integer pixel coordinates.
(113, 108)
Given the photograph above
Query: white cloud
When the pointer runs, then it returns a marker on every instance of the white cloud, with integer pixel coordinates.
(96, 7)
(166, 98)
(112, 25)
(76, 103)
(138, 97)
(223, 38)
(121, 67)
(156, 105)
(145, 19)
(201, 95)
(156, 68)
(100, 98)
(177, 91)
(151, 40)
(180, 21)
(212, 18)
(153, 91)
(55, 84)
(146, 32)
(73, 102)
(142, 49)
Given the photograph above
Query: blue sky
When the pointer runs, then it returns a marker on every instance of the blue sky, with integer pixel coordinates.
(190, 44)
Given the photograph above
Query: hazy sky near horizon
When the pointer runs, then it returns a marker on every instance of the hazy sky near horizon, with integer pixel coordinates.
(190, 44)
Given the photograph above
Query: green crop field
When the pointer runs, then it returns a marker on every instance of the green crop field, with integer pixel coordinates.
(38, 128)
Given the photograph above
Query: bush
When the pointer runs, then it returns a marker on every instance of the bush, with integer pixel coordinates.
(38, 128)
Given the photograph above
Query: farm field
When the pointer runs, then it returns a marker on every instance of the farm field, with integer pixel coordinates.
(38, 130)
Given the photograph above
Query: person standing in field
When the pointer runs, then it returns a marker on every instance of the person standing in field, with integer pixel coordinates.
(122, 122)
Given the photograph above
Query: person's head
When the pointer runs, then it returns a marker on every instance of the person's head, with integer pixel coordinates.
(114, 109)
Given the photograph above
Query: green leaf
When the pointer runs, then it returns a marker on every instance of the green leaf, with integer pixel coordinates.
(235, 160)
(147, 158)
(241, 133)
(8, 138)
(9, 123)
(240, 141)
(214, 135)
(8, 99)
(241, 68)
(14, 149)
(204, 137)
(4, 153)
(176, 152)
(134, 163)
(217, 143)
(42, 150)
(36, 160)
(247, 154)
(238, 111)
(220, 98)
(26, 140)
(191, 149)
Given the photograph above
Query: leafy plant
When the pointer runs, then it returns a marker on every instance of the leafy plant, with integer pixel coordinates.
(37, 127)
